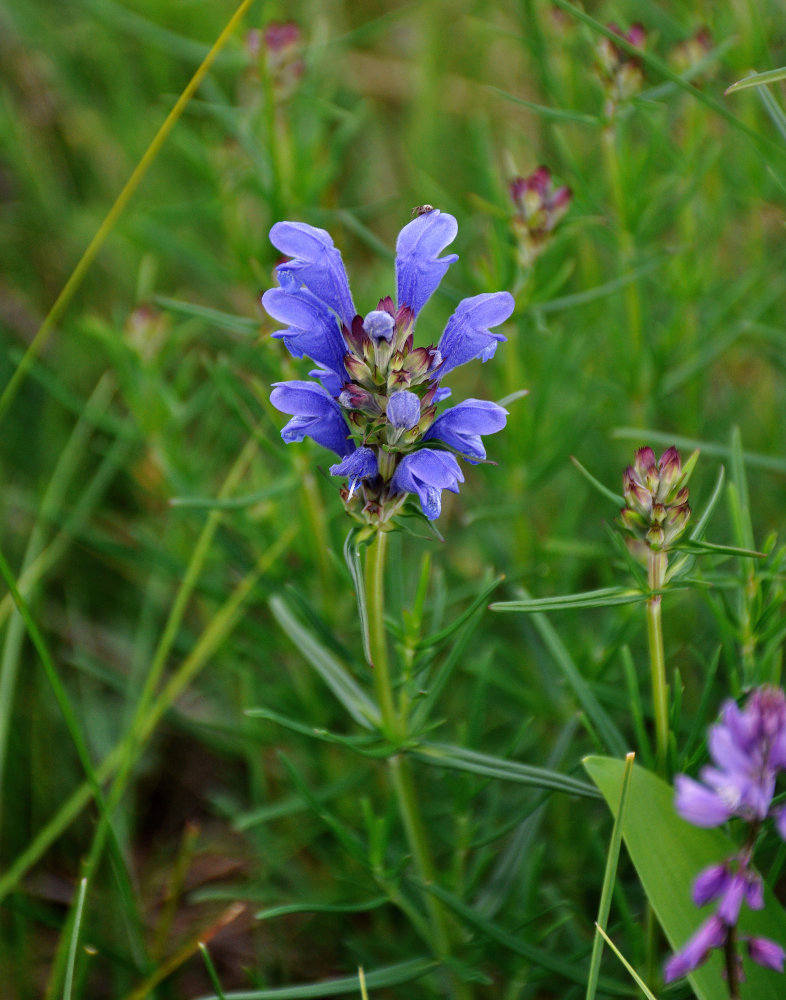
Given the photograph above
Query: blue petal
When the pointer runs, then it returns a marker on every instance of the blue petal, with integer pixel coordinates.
(403, 409)
(467, 335)
(426, 473)
(313, 330)
(359, 465)
(460, 427)
(315, 414)
(419, 268)
(316, 264)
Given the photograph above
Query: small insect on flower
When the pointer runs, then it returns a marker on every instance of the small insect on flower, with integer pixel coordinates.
(421, 210)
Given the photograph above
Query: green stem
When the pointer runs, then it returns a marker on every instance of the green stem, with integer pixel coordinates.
(394, 725)
(380, 663)
(660, 690)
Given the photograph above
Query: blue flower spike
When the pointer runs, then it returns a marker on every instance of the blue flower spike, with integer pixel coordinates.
(375, 396)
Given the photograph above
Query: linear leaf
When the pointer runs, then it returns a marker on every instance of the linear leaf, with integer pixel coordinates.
(758, 80)
(605, 597)
(515, 943)
(460, 759)
(333, 673)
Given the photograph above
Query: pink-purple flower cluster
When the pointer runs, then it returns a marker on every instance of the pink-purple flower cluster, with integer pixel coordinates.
(748, 751)
(374, 397)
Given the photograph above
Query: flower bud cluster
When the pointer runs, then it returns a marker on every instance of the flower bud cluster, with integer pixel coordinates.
(539, 207)
(621, 74)
(656, 497)
(277, 49)
(748, 751)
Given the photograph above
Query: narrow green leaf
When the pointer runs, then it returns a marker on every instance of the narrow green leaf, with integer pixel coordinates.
(283, 911)
(550, 114)
(455, 625)
(516, 943)
(239, 324)
(355, 567)
(709, 449)
(80, 905)
(460, 759)
(758, 80)
(634, 975)
(233, 503)
(333, 673)
(390, 975)
(668, 854)
(603, 598)
(616, 498)
(608, 882)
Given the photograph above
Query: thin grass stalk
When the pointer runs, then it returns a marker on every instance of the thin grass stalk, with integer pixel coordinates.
(75, 280)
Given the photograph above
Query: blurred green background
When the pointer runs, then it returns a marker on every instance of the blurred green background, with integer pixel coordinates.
(151, 511)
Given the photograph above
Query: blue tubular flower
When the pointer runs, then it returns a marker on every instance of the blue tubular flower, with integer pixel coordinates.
(313, 330)
(360, 465)
(315, 414)
(460, 427)
(427, 473)
(467, 335)
(419, 268)
(316, 264)
(376, 397)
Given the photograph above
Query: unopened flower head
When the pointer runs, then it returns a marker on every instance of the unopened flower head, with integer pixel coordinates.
(540, 205)
(278, 49)
(621, 73)
(748, 750)
(375, 396)
(656, 511)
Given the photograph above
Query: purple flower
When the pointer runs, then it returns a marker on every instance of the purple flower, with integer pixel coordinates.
(427, 473)
(765, 952)
(711, 934)
(467, 335)
(316, 415)
(748, 748)
(376, 396)
(460, 427)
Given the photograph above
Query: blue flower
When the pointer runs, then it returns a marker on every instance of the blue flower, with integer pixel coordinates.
(467, 335)
(460, 427)
(375, 398)
(427, 473)
(316, 415)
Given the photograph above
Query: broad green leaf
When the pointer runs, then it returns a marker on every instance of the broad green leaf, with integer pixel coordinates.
(460, 759)
(668, 853)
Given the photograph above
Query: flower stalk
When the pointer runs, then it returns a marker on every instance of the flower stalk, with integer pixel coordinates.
(394, 725)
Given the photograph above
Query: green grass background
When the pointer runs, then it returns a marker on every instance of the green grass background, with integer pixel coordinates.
(150, 510)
